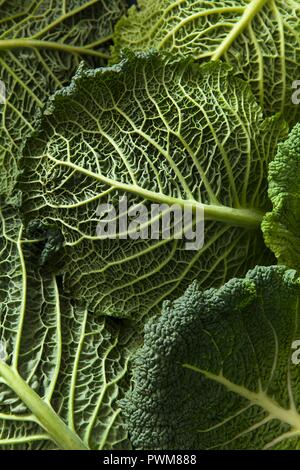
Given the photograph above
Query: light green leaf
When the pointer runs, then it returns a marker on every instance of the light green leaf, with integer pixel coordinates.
(61, 372)
(220, 369)
(155, 132)
(260, 38)
(281, 227)
(41, 45)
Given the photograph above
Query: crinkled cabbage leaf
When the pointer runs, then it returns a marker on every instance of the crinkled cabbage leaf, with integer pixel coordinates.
(41, 45)
(260, 38)
(61, 371)
(281, 227)
(220, 369)
(154, 132)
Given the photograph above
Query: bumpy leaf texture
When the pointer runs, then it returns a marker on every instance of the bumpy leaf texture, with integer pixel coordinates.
(220, 370)
(260, 38)
(281, 227)
(41, 45)
(154, 132)
(61, 372)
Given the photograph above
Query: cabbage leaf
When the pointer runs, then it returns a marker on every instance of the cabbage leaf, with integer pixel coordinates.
(154, 132)
(41, 45)
(220, 369)
(281, 227)
(61, 372)
(259, 38)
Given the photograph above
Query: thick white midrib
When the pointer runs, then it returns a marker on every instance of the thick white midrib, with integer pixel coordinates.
(250, 11)
(9, 44)
(43, 413)
(289, 416)
(237, 217)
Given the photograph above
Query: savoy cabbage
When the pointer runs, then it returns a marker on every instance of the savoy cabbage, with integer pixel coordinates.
(281, 227)
(200, 143)
(222, 356)
(130, 342)
(260, 38)
(41, 46)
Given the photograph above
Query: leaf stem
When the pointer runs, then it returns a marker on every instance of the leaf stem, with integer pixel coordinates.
(259, 398)
(7, 44)
(47, 418)
(237, 217)
(250, 11)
